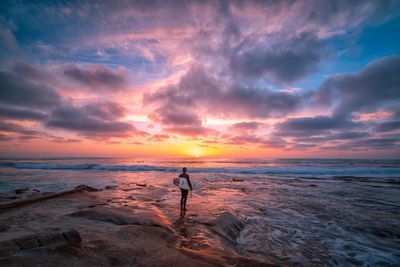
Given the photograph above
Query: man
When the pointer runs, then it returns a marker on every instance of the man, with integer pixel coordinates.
(185, 185)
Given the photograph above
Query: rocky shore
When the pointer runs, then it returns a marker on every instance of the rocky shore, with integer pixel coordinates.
(129, 225)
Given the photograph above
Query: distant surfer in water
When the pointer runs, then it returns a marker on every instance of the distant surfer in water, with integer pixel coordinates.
(185, 185)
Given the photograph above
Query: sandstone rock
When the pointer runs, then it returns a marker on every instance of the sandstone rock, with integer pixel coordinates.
(51, 238)
(8, 248)
(86, 188)
(226, 226)
(21, 190)
(118, 216)
(244, 190)
(27, 242)
(72, 236)
(4, 227)
(110, 187)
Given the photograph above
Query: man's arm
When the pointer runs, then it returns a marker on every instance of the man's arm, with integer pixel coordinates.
(190, 184)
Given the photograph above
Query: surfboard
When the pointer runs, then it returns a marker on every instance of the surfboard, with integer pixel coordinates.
(182, 183)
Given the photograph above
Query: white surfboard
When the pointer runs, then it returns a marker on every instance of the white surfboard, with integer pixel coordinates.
(182, 183)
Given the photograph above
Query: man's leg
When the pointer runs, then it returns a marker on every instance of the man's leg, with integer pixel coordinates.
(182, 199)
(186, 195)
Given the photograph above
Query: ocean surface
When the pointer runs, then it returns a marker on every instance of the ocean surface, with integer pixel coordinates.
(310, 212)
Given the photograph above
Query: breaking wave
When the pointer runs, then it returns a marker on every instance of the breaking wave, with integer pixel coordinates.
(294, 171)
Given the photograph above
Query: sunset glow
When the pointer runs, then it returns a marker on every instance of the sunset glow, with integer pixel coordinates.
(200, 79)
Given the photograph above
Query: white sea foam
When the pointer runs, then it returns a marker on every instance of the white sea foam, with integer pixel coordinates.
(338, 172)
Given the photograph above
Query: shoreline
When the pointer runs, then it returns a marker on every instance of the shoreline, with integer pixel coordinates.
(302, 222)
(128, 225)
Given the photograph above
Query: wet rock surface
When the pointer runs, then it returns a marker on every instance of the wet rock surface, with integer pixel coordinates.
(296, 222)
(226, 226)
(28, 242)
(122, 229)
(118, 216)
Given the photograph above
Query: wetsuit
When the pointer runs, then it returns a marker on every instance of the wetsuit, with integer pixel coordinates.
(185, 192)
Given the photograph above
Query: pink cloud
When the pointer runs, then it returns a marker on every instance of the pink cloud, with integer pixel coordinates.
(97, 77)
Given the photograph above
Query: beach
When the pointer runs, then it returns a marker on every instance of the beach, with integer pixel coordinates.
(247, 213)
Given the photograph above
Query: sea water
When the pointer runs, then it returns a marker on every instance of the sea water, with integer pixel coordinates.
(311, 212)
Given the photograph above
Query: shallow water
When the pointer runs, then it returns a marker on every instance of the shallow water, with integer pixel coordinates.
(306, 212)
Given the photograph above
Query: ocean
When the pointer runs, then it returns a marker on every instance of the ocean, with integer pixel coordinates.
(65, 173)
(311, 212)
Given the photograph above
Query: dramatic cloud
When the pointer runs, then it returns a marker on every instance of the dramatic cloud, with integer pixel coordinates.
(18, 131)
(97, 77)
(396, 114)
(105, 110)
(329, 138)
(248, 132)
(255, 102)
(158, 137)
(374, 143)
(388, 126)
(26, 91)
(246, 126)
(254, 140)
(61, 140)
(9, 112)
(93, 120)
(330, 133)
(178, 119)
(199, 91)
(175, 116)
(310, 126)
(190, 130)
(5, 138)
(348, 135)
(378, 84)
(10, 127)
(8, 44)
(244, 139)
(283, 63)
(32, 72)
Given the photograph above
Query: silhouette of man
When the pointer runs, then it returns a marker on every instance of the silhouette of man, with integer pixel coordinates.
(185, 185)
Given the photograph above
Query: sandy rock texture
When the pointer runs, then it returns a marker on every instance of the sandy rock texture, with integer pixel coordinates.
(128, 225)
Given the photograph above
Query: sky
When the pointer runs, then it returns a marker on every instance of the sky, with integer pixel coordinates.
(200, 78)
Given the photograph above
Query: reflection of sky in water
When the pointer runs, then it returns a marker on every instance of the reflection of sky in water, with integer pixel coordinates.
(313, 221)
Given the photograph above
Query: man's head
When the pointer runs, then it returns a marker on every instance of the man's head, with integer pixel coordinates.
(184, 169)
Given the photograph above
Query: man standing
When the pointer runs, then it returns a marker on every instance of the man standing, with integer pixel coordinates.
(185, 185)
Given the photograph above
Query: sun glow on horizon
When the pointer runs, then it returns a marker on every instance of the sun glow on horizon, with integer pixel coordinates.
(196, 152)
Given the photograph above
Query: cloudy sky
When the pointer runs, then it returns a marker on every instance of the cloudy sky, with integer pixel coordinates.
(200, 78)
